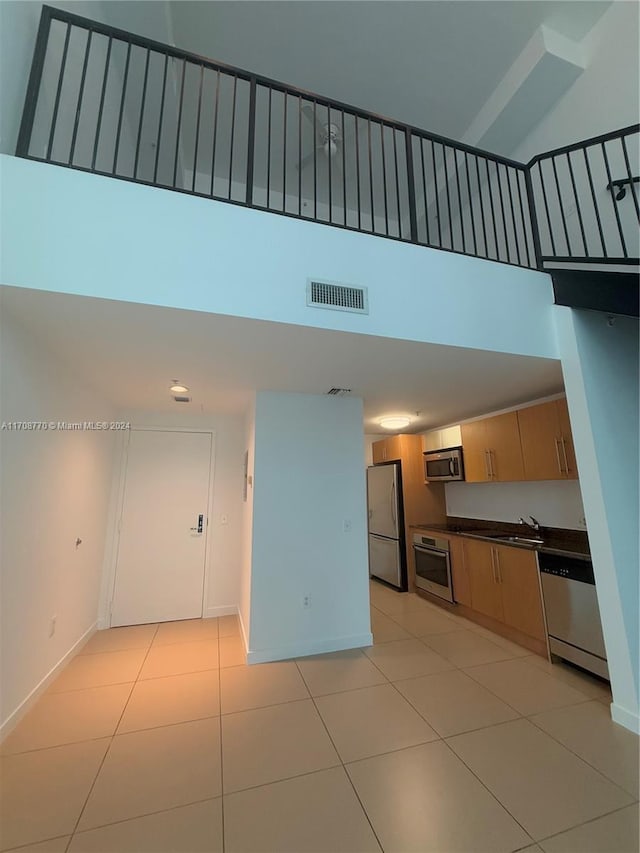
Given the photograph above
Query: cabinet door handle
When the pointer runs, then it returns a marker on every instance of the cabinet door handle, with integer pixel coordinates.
(498, 569)
(487, 464)
(491, 468)
(557, 443)
(493, 565)
(564, 454)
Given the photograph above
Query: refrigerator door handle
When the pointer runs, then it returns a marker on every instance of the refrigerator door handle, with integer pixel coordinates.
(393, 507)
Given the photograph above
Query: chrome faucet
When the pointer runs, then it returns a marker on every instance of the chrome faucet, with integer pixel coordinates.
(535, 524)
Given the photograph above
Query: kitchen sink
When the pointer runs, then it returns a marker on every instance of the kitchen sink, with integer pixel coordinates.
(526, 540)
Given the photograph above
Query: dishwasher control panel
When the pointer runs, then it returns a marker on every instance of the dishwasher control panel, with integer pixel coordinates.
(567, 567)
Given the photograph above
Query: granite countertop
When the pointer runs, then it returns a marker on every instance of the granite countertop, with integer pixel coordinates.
(555, 540)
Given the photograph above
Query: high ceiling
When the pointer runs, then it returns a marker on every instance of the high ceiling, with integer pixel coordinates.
(431, 64)
(224, 359)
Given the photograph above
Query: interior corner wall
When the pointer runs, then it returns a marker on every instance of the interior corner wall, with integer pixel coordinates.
(55, 488)
(309, 527)
(600, 366)
(223, 588)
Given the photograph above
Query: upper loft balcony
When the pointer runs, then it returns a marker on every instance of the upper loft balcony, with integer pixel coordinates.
(106, 101)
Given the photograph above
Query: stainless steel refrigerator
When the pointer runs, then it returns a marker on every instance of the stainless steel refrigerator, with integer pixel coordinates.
(386, 526)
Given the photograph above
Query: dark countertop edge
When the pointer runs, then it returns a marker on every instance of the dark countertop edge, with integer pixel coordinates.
(549, 547)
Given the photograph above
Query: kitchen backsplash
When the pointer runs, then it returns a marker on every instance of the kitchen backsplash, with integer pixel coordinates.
(554, 503)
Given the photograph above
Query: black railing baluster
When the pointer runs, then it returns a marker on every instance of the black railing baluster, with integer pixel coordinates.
(411, 189)
(461, 212)
(315, 159)
(233, 127)
(179, 128)
(424, 189)
(533, 216)
(525, 237)
(329, 154)
(142, 103)
(395, 158)
(299, 155)
(269, 147)
(595, 202)
(251, 140)
(504, 218)
(493, 212)
(122, 99)
(161, 116)
(473, 226)
(373, 222)
(614, 202)
(101, 106)
(384, 181)
(76, 122)
(484, 226)
(513, 216)
(215, 133)
(358, 174)
(560, 205)
(197, 140)
(436, 193)
(33, 86)
(446, 186)
(577, 201)
(56, 105)
(284, 154)
(344, 174)
(546, 208)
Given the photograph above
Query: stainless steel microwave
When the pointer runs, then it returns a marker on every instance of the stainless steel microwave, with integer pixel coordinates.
(443, 465)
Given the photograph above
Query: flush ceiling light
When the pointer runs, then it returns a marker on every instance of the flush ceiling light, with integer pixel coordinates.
(179, 389)
(394, 423)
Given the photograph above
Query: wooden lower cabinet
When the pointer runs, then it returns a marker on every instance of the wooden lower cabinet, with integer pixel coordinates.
(520, 587)
(500, 582)
(486, 595)
(459, 573)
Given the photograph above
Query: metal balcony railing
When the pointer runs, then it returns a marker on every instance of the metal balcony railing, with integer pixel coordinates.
(107, 101)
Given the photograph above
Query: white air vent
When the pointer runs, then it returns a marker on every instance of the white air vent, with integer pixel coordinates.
(337, 297)
(339, 392)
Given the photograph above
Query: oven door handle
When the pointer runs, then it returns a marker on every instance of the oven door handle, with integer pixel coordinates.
(424, 550)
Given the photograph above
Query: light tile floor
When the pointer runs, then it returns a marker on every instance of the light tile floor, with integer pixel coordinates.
(440, 737)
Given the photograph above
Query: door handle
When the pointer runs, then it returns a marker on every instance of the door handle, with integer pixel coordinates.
(560, 468)
(564, 454)
(487, 464)
(200, 526)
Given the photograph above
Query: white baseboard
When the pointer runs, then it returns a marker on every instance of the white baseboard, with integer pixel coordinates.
(14, 718)
(300, 650)
(625, 718)
(220, 610)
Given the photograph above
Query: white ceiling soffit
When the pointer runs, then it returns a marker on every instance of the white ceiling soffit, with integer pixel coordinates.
(540, 76)
(430, 64)
(135, 351)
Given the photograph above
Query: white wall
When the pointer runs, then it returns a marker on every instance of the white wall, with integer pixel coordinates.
(309, 480)
(600, 365)
(552, 503)
(223, 587)
(61, 220)
(55, 488)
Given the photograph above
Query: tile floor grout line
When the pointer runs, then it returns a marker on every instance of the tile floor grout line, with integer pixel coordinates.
(586, 822)
(113, 737)
(572, 751)
(342, 763)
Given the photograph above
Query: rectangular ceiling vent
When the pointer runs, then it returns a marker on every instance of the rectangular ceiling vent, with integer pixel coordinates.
(179, 398)
(337, 297)
(339, 392)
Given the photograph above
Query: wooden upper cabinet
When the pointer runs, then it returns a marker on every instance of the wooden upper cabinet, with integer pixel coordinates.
(492, 451)
(521, 597)
(474, 446)
(459, 573)
(387, 449)
(547, 445)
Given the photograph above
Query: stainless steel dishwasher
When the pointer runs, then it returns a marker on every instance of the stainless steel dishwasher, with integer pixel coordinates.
(573, 615)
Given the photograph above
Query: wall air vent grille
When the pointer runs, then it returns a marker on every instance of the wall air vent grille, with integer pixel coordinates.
(178, 398)
(337, 297)
(339, 392)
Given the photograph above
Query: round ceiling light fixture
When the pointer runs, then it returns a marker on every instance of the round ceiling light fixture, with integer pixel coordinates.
(179, 389)
(397, 422)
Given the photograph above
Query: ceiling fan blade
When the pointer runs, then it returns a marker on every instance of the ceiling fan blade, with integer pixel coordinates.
(308, 113)
(306, 160)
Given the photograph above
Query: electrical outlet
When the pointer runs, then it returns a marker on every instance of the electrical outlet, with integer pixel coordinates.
(52, 625)
(306, 602)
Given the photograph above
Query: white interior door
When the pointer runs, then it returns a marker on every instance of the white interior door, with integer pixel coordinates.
(161, 557)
